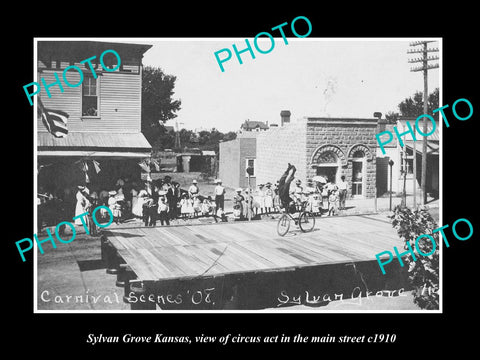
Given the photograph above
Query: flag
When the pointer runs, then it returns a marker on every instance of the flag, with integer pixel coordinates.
(55, 121)
(96, 165)
(85, 167)
(147, 164)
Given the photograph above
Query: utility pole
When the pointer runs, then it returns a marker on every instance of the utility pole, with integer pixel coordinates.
(178, 145)
(425, 67)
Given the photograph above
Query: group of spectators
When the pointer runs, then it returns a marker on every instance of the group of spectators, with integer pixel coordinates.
(316, 197)
(164, 200)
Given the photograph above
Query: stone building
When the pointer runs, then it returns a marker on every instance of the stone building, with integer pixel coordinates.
(330, 147)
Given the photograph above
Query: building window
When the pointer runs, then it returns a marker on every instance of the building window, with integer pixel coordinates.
(358, 164)
(90, 97)
(250, 163)
(358, 154)
(357, 178)
(409, 166)
(328, 157)
(327, 165)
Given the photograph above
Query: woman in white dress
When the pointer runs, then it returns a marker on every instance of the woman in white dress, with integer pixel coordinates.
(134, 194)
(81, 204)
(137, 209)
(269, 195)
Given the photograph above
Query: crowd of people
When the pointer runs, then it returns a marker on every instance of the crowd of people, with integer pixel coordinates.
(164, 200)
(160, 200)
(316, 197)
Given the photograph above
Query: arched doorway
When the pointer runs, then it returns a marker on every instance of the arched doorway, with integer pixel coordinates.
(328, 161)
(327, 166)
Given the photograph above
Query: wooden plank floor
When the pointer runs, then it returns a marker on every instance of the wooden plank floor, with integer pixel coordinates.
(174, 252)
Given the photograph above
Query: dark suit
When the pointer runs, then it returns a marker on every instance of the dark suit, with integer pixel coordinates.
(150, 208)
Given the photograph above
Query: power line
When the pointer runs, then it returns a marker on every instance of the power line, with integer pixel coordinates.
(425, 67)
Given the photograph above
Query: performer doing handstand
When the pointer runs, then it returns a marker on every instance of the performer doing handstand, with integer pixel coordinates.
(284, 189)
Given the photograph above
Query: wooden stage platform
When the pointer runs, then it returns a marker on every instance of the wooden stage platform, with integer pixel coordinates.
(239, 255)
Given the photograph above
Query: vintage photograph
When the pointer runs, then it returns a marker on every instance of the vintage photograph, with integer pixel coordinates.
(237, 175)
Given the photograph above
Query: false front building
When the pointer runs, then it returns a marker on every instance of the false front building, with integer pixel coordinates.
(104, 141)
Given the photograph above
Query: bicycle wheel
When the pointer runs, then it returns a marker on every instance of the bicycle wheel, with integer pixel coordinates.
(283, 225)
(306, 221)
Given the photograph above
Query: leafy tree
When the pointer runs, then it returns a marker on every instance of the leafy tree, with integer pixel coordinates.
(392, 117)
(158, 104)
(165, 140)
(231, 135)
(423, 273)
(413, 107)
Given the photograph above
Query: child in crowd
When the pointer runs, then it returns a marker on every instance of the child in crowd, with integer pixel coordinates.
(258, 201)
(207, 206)
(186, 207)
(238, 200)
(269, 195)
(316, 203)
(163, 208)
(332, 203)
(276, 199)
(197, 206)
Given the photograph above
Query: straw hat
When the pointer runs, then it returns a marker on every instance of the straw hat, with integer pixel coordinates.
(194, 181)
(112, 192)
(239, 190)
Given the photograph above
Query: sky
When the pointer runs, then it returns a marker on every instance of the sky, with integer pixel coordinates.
(313, 77)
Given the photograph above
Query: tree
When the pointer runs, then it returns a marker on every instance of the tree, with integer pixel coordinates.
(165, 140)
(424, 272)
(231, 135)
(158, 104)
(413, 107)
(392, 117)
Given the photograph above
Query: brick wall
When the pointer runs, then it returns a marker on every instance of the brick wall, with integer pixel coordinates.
(279, 146)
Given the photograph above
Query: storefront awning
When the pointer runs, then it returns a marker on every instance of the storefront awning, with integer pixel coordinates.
(432, 147)
(127, 145)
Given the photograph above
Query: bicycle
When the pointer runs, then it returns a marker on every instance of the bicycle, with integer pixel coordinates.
(305, 220)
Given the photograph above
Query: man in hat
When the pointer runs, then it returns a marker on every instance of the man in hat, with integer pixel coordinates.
(219, 195)
(193, 189)
(151, 204)
(284, 189)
